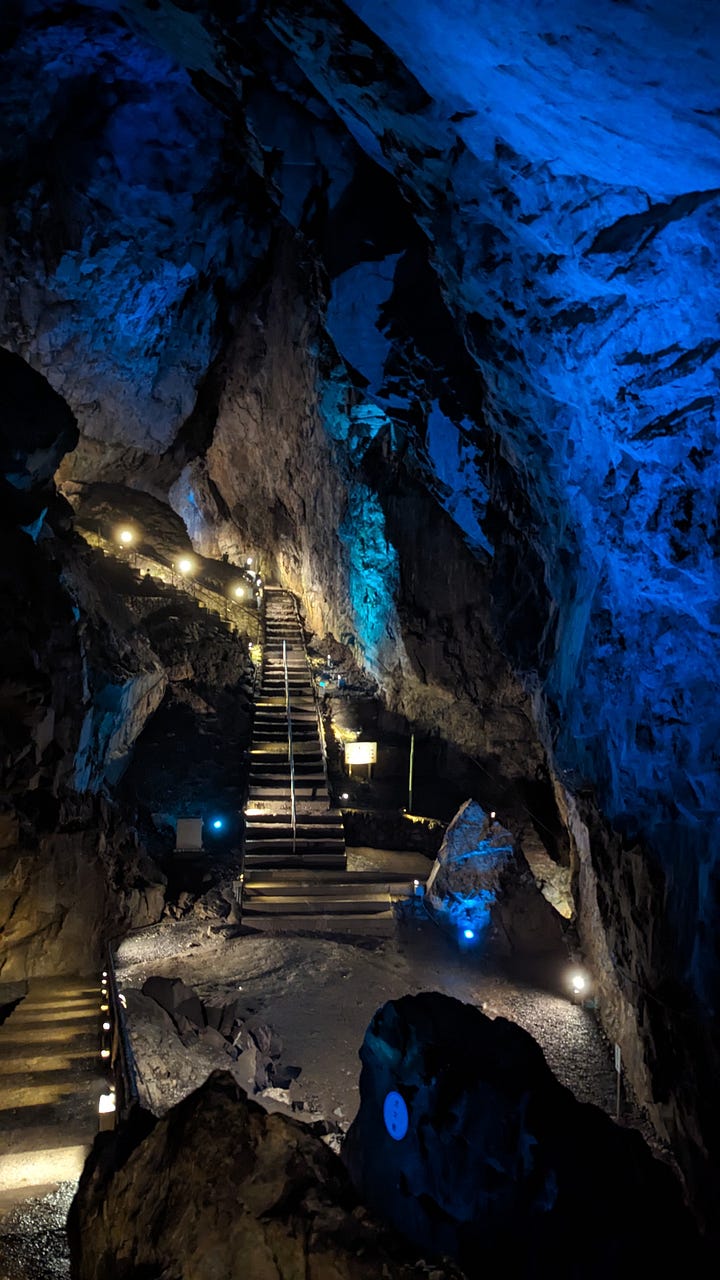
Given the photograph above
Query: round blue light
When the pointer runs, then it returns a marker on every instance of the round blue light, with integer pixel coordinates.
(395, 1115)
(218, 824)
(469, 934)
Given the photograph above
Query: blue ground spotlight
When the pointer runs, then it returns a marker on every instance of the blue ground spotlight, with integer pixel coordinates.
(217, 824)
(469, 934)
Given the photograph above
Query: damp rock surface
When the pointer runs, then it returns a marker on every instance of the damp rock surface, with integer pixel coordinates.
(485, 1156)
(243, 1193)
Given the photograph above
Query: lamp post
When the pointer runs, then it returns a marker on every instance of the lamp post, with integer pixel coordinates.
(185, 567)
(126, 538)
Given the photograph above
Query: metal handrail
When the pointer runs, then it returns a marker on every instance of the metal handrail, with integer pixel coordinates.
(193, 588)
(318, 716)
(127, 1090)
(291, 757)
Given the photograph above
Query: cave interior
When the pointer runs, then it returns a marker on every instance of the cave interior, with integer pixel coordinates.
(416, 307)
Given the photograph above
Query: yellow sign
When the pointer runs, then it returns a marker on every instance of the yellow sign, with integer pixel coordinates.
(361, 752)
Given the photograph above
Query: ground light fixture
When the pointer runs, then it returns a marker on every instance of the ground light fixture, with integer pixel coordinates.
(185, 566)
(345, 796)
(217, 824)
(468, 934)
(578, 983)
(239, 592)
(126, 536)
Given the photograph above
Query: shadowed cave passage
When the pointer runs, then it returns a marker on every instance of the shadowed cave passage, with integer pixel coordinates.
(416, 310)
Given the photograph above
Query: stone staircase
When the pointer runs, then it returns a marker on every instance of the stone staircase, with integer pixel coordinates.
(298, 880)
(317, 840)
(350, 901)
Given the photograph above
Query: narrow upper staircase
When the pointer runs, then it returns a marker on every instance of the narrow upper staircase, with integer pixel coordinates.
(289, 821)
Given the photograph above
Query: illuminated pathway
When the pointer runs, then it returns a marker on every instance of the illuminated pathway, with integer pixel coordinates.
(50, 1081)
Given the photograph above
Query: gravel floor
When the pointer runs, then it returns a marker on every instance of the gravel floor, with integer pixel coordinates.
(319, 992)
(33, 1243)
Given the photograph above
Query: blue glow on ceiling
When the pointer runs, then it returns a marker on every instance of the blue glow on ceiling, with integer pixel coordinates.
(145, 223)
(455, 464)
(354, 320)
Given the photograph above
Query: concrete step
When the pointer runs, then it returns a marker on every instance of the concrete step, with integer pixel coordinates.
(381, 925)
(264, 861)
(270, 792)
(285, 881)
(311, 906)
(327, 817)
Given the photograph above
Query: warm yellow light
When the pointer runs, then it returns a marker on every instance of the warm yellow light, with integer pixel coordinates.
(126, 536)
(239, 592)
(106, 1103)
(249, 560)
(185, 565)
(106, 1026)
(25, 1169)
(579, 983)
(104, 1053)
(104, 1008)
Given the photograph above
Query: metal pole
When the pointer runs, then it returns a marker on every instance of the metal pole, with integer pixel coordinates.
(291, 759)
(410, 773)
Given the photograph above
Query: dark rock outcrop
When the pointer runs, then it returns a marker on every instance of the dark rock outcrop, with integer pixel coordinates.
(218, 1188)
(500, 1166)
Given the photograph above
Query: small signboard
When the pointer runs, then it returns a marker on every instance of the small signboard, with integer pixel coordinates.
(361, 752)
(188, 834)
(395, 1115)
(618, 1058)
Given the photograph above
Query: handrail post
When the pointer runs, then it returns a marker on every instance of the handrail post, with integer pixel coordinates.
(291, 758)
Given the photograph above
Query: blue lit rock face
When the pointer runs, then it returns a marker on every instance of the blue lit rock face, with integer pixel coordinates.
(570, 211)
(120, 169)
(481, 890)
(565, 170)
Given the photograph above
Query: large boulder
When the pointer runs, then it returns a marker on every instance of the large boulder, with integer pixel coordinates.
(499, 1162)
(481, 882)
(220, 1189)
